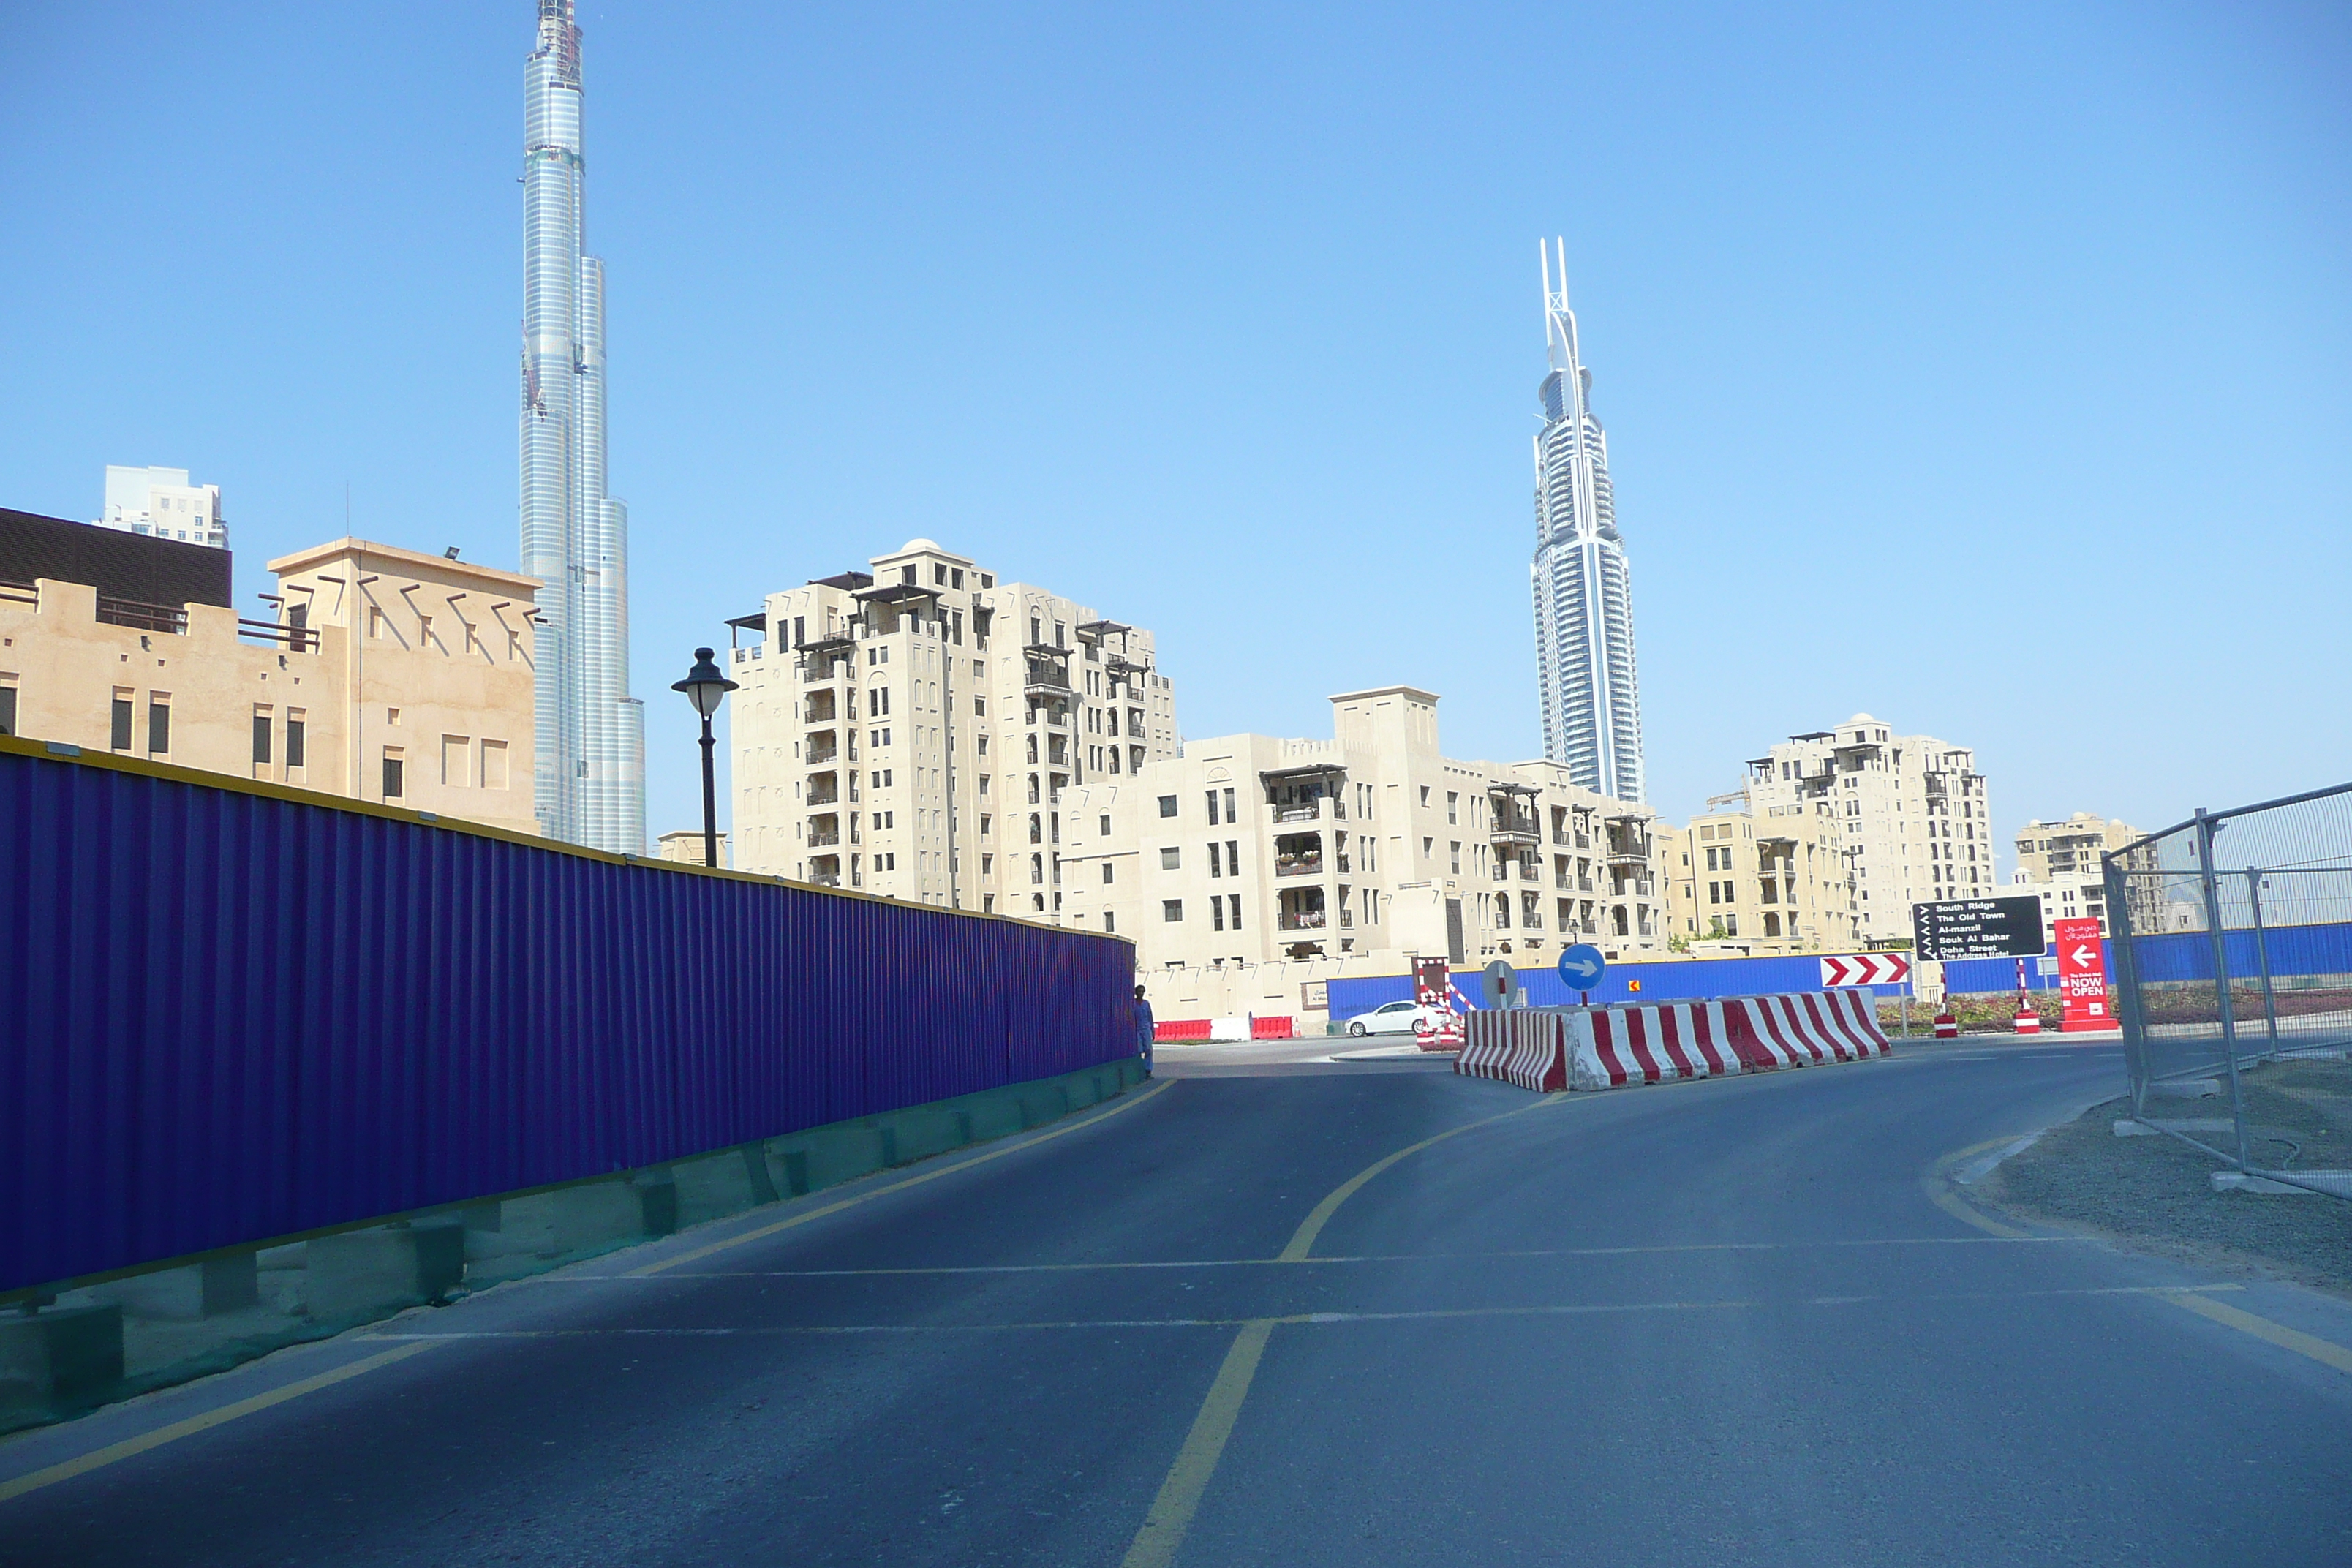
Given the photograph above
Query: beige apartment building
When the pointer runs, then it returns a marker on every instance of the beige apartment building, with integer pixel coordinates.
(1781, 884)
(2046, 850)
(2060, 863)
(1251, 849)
(914, 731)
(385, 676)
(1913, 814)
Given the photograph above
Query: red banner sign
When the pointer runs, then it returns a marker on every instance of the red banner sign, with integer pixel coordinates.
(2082, 976)
(1438, 1027)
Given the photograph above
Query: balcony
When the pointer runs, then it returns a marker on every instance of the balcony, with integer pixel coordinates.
(826, 838)
(1515, 829)
(1300, 866)
(823, 789)
(170, 618)
(1299, 920)
(826, 754)
(295, 639)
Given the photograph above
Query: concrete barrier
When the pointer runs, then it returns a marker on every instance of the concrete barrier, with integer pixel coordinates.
(1520, 1046)
(1582, 1048)
(367, 1273)
(60, 1357)
(191, 1293)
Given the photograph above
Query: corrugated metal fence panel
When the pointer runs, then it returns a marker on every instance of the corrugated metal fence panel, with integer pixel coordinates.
(231, 1016)
(2291, 951)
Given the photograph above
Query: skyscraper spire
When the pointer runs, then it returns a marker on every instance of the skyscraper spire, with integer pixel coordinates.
(1583, 602)
(588, 787)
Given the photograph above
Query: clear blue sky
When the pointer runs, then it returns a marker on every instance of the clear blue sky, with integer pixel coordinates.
(1986, 367)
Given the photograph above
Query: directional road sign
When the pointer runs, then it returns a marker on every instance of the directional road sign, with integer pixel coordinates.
(1978, 928)
(1581, 966)
(1865, 969)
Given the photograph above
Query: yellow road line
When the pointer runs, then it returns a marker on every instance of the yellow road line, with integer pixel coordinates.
(2326, 1351)
(1303, 1239)
(99, 1459)
(695, 1254)
(1180, 1495)
(1114, 1266)
(1938, 1188)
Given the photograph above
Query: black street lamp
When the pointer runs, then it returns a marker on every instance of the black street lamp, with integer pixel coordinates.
(706, 688)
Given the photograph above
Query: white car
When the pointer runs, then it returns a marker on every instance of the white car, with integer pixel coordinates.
(1397, 1018)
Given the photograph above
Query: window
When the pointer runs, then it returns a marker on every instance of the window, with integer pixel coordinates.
(1172, 909)
(119, 737)
(1213, 808)
(1457, 856)
(1425, 797)
(878, 701)
(1236, 905)
(261, 737)
(494, 759)
(375, 621)
(987, 822)
(7, 709)
(1110, 921)
(1167, 805)
(1105, 825)
(1229, 805)
(1428, 848)
(1216, 914)
(1106, 873)
(454, 750)
(979, 748)
(1213, 860)
(1452, 806)
(159, 723)
(1170, 857)
(392, 772)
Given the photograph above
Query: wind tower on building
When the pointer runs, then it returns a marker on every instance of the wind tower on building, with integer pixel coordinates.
(589, 784)
(1583, 601)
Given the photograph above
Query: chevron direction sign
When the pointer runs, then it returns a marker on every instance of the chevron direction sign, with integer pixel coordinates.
(1865, 969)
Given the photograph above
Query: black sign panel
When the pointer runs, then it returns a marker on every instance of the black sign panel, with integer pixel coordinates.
(1978, 928)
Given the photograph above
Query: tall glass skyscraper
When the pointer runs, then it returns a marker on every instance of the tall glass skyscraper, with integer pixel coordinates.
(1584, 609)
(589, 783)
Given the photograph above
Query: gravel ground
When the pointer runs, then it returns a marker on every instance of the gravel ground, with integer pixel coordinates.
(2155, 1194)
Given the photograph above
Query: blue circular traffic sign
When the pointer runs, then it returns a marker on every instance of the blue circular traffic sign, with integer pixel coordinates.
(1581, 966)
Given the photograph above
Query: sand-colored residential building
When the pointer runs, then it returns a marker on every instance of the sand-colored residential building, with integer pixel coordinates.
(385, 675)
(914, 729)
(1775, 884)
(2046, 850)
(1913, 812)
(1254, 850)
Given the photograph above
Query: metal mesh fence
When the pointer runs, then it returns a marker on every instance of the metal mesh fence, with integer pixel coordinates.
(2234, 958)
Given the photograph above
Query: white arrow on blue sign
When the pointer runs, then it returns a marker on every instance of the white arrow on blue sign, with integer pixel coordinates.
(1581, 966)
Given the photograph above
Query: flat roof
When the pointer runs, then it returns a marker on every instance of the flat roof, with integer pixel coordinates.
(393, 555)
(1414, 692)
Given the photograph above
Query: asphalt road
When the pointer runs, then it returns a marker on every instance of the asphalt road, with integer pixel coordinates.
(1714, 1323)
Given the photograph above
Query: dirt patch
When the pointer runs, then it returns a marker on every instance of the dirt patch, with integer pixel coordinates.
(2155, 1194)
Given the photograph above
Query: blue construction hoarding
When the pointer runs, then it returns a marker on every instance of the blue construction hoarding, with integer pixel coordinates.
(1678, 980)
(235, 1012)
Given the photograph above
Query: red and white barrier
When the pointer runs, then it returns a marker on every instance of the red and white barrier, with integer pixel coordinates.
(1553, 1048)
(1803, 1028)
(1518, 1044)
(1653, 1044)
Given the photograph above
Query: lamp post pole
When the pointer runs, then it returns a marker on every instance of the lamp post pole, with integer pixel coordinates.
(706, 688)
(709, 798)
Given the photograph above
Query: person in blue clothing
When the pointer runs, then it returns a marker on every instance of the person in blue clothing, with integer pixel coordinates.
(1143, 1031)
